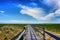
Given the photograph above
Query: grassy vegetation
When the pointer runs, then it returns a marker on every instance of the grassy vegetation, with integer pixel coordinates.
(53, 28)
(8, 31)
(50, 27)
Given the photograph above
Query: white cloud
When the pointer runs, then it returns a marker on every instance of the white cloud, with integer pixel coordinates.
(49, 2)
(53, 3)
(26, 22)
(10, 21)
(1, 12)
(58, 3)
(34, 12)
(48, 17)
(51, 15)
(57, 12)
(22, 6)
(18, 21)
(39, 14)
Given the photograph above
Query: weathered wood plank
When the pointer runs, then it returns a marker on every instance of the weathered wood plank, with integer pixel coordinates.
(30, 34)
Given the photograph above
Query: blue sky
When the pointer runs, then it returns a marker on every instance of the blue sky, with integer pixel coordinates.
(30, 11)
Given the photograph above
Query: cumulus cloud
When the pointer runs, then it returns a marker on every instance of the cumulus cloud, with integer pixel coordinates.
(48, 17)
(56, 4)
(34, 12)
(52, 3)
(39, 13)
(57, 12)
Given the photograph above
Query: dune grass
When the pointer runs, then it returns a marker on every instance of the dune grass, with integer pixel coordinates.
(50, 27)
(8, 31)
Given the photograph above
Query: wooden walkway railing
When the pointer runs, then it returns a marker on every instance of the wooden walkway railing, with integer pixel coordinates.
(19, 36)
(50, 34)
(28, 33)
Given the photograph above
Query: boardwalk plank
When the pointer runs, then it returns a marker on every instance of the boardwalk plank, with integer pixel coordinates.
(30, 34)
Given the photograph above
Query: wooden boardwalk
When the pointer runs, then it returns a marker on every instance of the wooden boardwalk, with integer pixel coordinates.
(30, 34)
